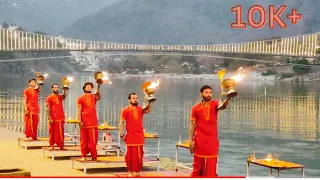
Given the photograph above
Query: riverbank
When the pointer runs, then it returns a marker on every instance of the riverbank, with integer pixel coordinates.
(248, 76)
(31, 160)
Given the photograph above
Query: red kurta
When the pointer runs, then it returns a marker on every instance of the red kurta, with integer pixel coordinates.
(134, 125)
(133, 115)
(206, 142)
(56, 129)
(89, 131)
(88, 110)
(31, 118)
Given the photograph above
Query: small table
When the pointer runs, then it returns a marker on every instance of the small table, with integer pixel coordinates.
(184, 145)
(279, 166)
(73, 135)
(149, 153)
(68, 151)
(108, 160)
(105, 144)
(41, 142)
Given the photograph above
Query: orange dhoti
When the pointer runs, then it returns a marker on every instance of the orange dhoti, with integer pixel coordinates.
(31, 122)
(205, 139)
(204, 167)
(134, 158)
(88, 141)
(56, 133)
(133, 115)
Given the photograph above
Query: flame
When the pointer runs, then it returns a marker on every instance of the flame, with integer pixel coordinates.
(70, 79)
(237, 77)
(221, 73)
(154, 84)
(269, 158)
(105, 76)
(46, 75)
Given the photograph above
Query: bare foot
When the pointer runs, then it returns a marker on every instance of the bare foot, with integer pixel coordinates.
(83, 159)
(52, 148)
(130, 174)
(94, 159)
(140, 174)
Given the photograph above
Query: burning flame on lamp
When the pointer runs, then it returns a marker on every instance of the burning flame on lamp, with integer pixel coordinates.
(268, 158)
(40, 78)
(237, 77)
(240, 75)
(102, 77)
(149, 89)
(70, 79)
(106, 77)
(154, 84)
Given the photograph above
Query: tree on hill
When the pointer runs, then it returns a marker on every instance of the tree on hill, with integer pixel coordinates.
(5, 25)
(301, 69)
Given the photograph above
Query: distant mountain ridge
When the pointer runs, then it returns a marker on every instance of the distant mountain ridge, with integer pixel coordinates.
(49, 16)
(185, 22)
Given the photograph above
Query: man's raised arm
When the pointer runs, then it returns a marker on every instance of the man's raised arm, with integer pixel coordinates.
(64, 95)
(147, 109)
(97, 95)
(223, 105)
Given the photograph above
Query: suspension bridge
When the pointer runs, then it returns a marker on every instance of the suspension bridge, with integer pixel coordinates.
(297, 46)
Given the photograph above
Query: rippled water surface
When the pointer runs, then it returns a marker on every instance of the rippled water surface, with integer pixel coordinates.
(277, 118)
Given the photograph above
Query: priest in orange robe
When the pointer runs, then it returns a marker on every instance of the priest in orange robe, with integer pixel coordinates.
(87, 113)
(132, 116)
(31, 108)
(56, 117)
(203, 134)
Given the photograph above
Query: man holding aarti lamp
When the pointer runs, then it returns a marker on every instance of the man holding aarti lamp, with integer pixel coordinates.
(203, 132)
(87, 114)
(134, 139)
(31, 106)
(56, 116)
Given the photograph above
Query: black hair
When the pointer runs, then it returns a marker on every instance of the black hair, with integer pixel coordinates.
(54, 84)
(129, 97)
(87, 83)
(32, 80)
(204, 88)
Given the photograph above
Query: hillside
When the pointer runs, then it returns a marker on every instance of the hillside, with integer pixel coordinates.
(184, 22)
(49, 16)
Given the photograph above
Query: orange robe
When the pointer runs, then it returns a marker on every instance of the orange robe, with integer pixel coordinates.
(31, 118)
(134, 138)
(89, 131)
(56, 129)
(206, 142)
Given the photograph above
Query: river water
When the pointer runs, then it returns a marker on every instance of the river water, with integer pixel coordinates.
(269, 117)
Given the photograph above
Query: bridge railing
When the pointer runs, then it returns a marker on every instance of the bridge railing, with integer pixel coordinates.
(14, 40)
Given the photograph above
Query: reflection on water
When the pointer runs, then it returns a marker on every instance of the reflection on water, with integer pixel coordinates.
(277, 118)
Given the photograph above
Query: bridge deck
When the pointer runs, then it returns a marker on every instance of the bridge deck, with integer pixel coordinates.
(302, 46)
